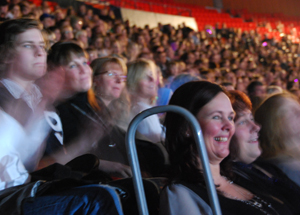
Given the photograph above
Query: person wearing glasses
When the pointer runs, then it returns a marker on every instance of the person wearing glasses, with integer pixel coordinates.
(86, 120)
(109, 79)
(109, 85)
(142, 87)
(24, 126)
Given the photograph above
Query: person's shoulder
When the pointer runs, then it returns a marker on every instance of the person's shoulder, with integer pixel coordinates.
(74, 103)
(183, 200)
(183, 188)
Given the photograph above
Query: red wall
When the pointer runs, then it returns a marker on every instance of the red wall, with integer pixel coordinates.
(288, 7)
(197, 2)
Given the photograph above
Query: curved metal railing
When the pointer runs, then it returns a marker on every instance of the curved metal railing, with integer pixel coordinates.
(134, 163)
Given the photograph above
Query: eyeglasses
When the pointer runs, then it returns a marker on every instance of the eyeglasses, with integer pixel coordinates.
(114, 75)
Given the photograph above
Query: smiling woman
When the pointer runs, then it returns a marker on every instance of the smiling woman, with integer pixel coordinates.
(186, 192)
(244, 150)
(244, 146)
(73, 61)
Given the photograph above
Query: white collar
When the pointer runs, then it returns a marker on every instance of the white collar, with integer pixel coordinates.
(32, 97)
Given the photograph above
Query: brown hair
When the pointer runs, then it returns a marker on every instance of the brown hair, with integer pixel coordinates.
(273, 131)
(99, 65)
(240, 102)
(61, 54)
(9, 32)
(184, 157)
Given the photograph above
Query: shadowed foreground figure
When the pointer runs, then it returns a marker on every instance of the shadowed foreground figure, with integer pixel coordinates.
(23, 128)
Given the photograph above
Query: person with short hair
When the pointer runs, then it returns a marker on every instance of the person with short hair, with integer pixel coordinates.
(256, 91)
(256, 88)
(3, 10)
(23, 129)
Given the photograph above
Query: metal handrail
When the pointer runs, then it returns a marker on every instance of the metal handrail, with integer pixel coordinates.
(134, 163)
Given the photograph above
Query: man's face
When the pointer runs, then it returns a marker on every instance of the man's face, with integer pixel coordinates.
(3, 11)
(260, 91)
(48, 22)
(28, 61)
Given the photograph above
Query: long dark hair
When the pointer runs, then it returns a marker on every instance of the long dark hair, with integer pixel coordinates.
(184, 158)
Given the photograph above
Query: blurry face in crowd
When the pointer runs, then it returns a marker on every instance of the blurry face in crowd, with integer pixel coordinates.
(260, 91)
(240, 85)
(3, 11)
(48, 22)
(68, 33)
(191, 58)
(109, 85)
(98, 43)
(216, 121)
(57, 35)
(230, 77)
(246, 137)
(83, 37)
(147, 87)
(16, 11)
(29, 58)
(78, 76)
(116, 47)
(162, 57)
(106, 42)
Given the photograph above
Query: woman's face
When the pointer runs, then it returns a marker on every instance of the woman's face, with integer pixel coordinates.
(99, 43)
(78, 76)
(106, 42)
(147, 86)
(110, 85)
(116, 48)
(216, 121)
(68, 33)
(245, 138)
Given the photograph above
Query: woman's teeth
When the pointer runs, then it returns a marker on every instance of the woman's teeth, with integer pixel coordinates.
(221, 139)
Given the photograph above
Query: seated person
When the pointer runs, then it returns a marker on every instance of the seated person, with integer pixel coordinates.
(245, 149)
(141, 84)
(87, 122)
(23, 128)
(81, 124)
(278, 117)
(186, 192)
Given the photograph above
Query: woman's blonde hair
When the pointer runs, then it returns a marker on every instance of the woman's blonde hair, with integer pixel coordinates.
(137, 71)
(273, 133)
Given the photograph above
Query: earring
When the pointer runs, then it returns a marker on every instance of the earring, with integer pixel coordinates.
(187, 134)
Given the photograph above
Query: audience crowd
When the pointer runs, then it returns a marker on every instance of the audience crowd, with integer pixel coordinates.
(73, 79)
